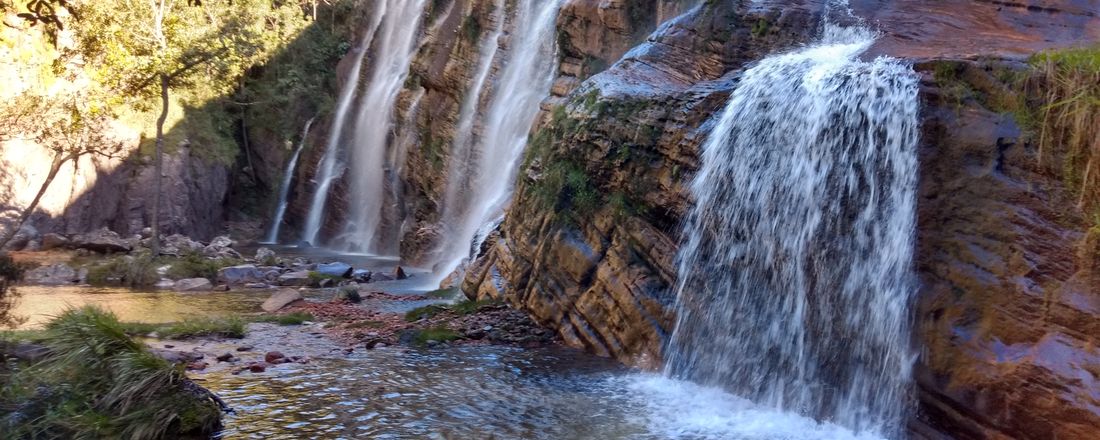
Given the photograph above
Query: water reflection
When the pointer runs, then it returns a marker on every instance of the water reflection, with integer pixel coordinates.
(39, 304)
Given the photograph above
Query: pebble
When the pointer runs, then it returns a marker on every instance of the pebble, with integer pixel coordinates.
(244, 348)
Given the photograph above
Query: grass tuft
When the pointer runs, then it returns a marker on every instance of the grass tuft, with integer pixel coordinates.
(294, 318)
(440, 334)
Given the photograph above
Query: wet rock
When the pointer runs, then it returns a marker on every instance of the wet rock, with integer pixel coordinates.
(54, 241)
(399, 273)
(177, 357)
(298, 279)
(273, 357)
(193, 285)
(381, 276)
(257, 367)
(337, 269)
(244, 348)
(104, 241)
(264, 254)
(55, 274)
(348, 293)
(240, 275)
(197, 366)
(225, 357)
(361, 275)
(281, 299)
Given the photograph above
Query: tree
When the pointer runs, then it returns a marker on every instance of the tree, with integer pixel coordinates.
(69, 128)
(145, 49)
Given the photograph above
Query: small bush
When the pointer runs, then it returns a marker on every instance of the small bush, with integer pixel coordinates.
(440, 334)
(295, 318)
(424, 312)
(98, 383)
(130, 270)
(197, 266)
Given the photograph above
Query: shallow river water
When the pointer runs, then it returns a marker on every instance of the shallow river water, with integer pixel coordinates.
(460, 392)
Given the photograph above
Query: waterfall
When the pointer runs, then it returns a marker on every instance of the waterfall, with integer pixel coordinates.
(284, 190)
(327, 170)
(794, 272)
(368, 166)
(480, 184)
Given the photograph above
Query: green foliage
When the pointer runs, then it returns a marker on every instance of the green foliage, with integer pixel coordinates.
(138, 270)
(1069, 118)
(316, 278)
(293, 318)
(760, 28)
(424, 312)
(10, 273)
(471, 28)
(438, 334)
(96, 382)
(449, 292)
(193, 328)
(348, 293)
(471, 307)
(194, 265)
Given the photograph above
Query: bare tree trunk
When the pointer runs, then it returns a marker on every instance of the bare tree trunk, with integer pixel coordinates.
(158, 162)
(55, 167)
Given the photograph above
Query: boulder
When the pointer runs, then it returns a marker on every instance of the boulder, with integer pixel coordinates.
(242, 274)
(399, 273)
(54, 274)
(24, 239)
(281, 299)
(221, 247)
(274, 357)
(54, 241)
(179, 245)
(361, 275)
(348, 293)
(381, 276)
(193, 285)
(336, 269)
(298, 278)
(264, 254)
(104, 241)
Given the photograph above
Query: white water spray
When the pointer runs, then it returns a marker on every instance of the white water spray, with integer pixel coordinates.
(284, 190)
(481, 185)
(327, 170)
(368, 164)
(795, 277)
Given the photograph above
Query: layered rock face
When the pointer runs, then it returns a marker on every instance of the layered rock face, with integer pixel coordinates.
(1007, 304)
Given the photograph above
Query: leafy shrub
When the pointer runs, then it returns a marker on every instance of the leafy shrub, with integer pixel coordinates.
(130, 270)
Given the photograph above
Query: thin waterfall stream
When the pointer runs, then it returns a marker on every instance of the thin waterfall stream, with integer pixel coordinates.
(481, 186)
(284, 188)
(795, 270)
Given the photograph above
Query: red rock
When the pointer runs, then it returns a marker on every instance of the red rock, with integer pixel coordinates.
(272, 357)
(196, 366)
(257, 367)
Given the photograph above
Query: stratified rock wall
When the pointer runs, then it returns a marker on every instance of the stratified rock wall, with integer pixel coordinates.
(1008, 302)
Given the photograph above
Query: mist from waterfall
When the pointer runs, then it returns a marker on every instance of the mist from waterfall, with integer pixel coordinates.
(284, 189)
(480, 182)
(795, 270)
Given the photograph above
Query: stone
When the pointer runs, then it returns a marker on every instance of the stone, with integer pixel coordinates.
(23, 239)
(244, 348)
(336, 269)
(196, 366)
(264, 254)
(281, 299)
(361, 275)
(381, 276)
(104, 241)
(257, 367)
(27, 352)
(54, 275)
(179, 245)
(240, 275)
(54, 241)
(225, 357)
(272, 357)
(298, 279)
(193, 285)
(349, 294)
(399, 273)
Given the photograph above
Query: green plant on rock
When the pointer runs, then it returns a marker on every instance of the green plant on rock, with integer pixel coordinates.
(97, 382)
(438, 334)
(424, 312)
(1069, 118)
(293, 318)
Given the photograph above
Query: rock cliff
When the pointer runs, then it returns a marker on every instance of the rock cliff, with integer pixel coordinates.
(1006, 310)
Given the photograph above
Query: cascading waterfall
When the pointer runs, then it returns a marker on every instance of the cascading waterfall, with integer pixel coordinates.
(284, 190)
(795, 267)
(368, 164)
(480, 186)
(328, 168)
